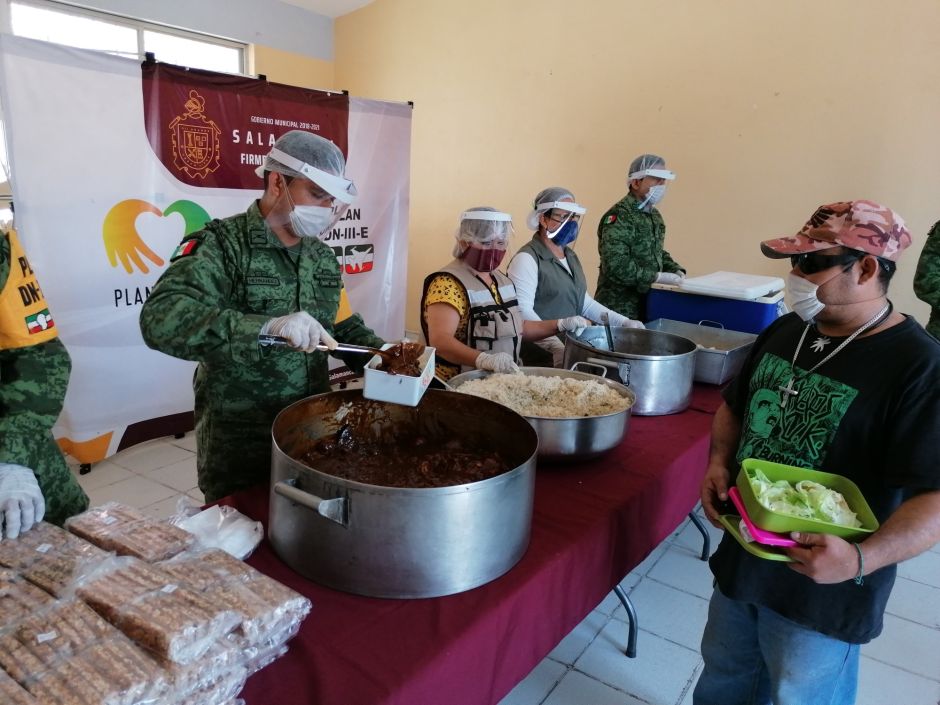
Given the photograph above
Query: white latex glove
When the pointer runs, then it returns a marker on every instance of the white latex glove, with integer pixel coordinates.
(302, 330)
(21, 500)
(617, 320)
(668, 278)
(496, 362)
(573, 324)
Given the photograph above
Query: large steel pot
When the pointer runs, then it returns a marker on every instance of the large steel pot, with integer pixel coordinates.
(658, 366)
(401, 542)
(576, 437)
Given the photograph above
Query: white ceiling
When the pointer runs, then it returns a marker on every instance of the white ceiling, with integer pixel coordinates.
(330, 8)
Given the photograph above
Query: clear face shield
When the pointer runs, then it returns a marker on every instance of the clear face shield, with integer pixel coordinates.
(483, 238)
(564, 220)
(317, 221)
(656, 192)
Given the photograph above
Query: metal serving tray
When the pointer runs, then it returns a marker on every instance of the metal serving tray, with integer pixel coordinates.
(720, 353)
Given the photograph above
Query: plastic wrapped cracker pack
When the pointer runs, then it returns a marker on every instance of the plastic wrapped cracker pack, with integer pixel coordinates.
(156, 610)
(12, 693)
(184, 680)
(110, 672)
(43, 541)
(19, 598)
(270, 611)
(128, 532)
(38, 642)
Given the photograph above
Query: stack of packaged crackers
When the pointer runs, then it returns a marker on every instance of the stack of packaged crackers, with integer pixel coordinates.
(126, 610)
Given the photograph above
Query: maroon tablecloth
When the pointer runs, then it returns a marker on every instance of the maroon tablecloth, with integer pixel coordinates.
(593, 522)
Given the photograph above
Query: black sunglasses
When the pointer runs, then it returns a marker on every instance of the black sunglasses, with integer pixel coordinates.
(812, 262)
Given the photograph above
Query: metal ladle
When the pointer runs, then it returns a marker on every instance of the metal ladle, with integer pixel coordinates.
(387, 356)
(610, 336)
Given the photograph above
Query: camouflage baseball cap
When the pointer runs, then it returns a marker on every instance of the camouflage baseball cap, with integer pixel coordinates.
(857, 225)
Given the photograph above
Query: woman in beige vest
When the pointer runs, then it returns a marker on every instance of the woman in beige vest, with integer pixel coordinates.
(469, 311)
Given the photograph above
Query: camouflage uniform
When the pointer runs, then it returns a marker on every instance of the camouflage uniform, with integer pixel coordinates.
(927, 279)
(630, 243)
(33, 381)
(210, 305)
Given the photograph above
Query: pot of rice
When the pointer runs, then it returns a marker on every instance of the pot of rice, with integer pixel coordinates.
(577, 415)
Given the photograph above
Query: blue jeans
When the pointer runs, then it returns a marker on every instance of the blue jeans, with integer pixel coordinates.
(753, 656)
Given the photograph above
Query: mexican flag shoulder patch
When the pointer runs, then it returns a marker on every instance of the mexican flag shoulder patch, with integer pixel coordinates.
(185, 248)
(610, 219)
(39, 322)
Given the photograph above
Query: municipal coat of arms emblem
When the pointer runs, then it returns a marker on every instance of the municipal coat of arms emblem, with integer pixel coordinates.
(195, 137)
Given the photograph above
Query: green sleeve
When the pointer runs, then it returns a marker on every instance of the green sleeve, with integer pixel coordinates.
(670, 265)
(354, 331)
(187, 314)
(927, 277)
(33, 382)
(628, 261)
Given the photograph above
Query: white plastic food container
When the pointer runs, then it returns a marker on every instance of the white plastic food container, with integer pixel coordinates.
(398, 389)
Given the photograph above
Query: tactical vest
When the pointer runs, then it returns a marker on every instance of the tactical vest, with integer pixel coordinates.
(491, 327)
(560, 293)
(24, 314)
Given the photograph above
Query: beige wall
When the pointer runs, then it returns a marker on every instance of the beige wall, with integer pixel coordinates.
(765, 109)
(292, 69)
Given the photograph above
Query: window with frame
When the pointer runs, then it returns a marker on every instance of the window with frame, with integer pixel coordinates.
(91, 29)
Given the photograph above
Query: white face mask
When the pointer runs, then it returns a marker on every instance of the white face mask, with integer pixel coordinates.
(654, 196)
(311, 221)
(801, 297)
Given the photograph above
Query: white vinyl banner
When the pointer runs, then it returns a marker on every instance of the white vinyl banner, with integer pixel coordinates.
(113, 162)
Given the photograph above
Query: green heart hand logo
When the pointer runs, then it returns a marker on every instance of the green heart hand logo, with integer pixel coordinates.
(123, 242)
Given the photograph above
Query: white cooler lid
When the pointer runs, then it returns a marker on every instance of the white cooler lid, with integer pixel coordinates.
(732, 285)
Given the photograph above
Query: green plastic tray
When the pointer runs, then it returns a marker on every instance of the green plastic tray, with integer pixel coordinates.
(730, 522)
(784, 523)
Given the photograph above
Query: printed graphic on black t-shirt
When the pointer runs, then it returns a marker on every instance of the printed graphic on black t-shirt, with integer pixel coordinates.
(801, 431)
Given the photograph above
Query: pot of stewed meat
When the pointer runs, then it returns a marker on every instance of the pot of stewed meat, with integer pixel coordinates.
(386, 500)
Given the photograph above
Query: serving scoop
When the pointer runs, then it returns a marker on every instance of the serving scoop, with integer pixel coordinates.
(388, 356)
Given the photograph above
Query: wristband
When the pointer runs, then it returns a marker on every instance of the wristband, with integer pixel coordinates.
(860, 578)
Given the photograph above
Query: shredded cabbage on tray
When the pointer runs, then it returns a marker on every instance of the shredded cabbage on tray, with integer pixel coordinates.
(806, 499)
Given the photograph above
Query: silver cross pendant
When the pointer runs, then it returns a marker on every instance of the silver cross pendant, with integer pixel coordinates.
(787, 392)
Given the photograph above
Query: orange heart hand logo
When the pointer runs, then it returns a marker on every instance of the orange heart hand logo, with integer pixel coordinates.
(123, 242)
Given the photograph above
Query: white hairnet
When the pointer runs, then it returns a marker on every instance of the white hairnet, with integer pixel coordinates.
(550, 198)
(482, 225)
(649, 165)
(303, 154)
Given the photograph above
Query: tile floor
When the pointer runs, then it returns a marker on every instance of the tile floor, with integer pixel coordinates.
(670, 590)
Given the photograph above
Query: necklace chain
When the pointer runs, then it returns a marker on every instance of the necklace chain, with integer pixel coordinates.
(788, 391)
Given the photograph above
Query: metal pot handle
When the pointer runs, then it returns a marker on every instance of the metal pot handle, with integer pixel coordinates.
(621, 368)
(332, 509)
(583, 363)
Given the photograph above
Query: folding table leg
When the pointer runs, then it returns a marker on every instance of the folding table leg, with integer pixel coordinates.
(706, 539)
(632, 627)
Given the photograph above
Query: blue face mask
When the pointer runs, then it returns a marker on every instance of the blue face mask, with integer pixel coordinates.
(565, 234)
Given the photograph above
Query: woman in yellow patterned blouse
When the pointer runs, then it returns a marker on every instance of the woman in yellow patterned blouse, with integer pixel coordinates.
(469, 311)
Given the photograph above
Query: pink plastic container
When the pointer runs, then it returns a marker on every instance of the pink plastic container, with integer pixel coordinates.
(768, 538)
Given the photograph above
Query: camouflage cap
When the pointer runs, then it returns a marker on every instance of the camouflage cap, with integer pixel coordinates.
(857, 225)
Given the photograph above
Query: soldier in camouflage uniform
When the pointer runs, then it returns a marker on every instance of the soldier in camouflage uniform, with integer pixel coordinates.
(630, 240)
(927, 279)
(263, 272)
(35, 482)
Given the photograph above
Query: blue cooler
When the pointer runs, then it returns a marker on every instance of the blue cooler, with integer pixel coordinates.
(742, 302)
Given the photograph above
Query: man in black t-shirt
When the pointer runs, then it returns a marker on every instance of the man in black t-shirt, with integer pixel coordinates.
(844, 385)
